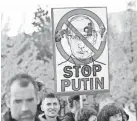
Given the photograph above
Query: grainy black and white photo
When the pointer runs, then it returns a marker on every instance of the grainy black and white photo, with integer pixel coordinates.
(69, 61)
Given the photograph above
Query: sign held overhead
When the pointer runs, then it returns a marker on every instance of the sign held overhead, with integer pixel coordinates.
(80, 50)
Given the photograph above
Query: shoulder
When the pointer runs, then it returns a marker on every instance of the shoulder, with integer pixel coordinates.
(41, 118)
(69, 114)
(68, 117)
(7, 116)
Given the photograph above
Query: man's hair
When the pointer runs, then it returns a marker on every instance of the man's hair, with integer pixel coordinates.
(50, 95)
(72, 98)
(23, 80)
(85, 113)
(107, 111)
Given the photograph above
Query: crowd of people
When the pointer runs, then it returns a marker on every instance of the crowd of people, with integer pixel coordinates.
(24, 104)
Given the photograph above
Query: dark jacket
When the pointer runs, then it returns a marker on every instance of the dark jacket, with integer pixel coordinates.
(69, 117)
(42, 117)
(7, 117)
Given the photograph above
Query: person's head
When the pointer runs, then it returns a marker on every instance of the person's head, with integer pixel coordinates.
(85, 101)
(110, 112)
(21, 97)
(50, 105)
(74, 102)
(78, 49)
(124, 114)
(86, 114)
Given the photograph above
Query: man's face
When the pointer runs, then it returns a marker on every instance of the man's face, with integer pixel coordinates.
(23, 102)
(85, 101)
(51, 107)
(78, 49)
(92, 118)
(117, 117)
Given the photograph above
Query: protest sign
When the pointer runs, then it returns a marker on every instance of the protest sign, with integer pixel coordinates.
(80, 50)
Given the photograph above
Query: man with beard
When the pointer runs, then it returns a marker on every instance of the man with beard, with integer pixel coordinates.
(21, 99)
(50, 106)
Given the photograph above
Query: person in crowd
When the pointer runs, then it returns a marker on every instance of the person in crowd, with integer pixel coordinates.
(130, 110)
(74, 106)
(125, 116)
(86, 114)
(110, 112)
(85, 101)
(21, 98)
(87, 29)
(50, 106)
(41, 93)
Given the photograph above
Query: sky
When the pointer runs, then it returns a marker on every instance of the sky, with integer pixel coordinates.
(20, 14)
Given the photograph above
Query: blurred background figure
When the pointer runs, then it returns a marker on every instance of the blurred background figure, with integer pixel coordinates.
(84, 101)
(42, 91)
(125, 116)
(110, 112)
(131, 110)
(74, 106)
(86, 114)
